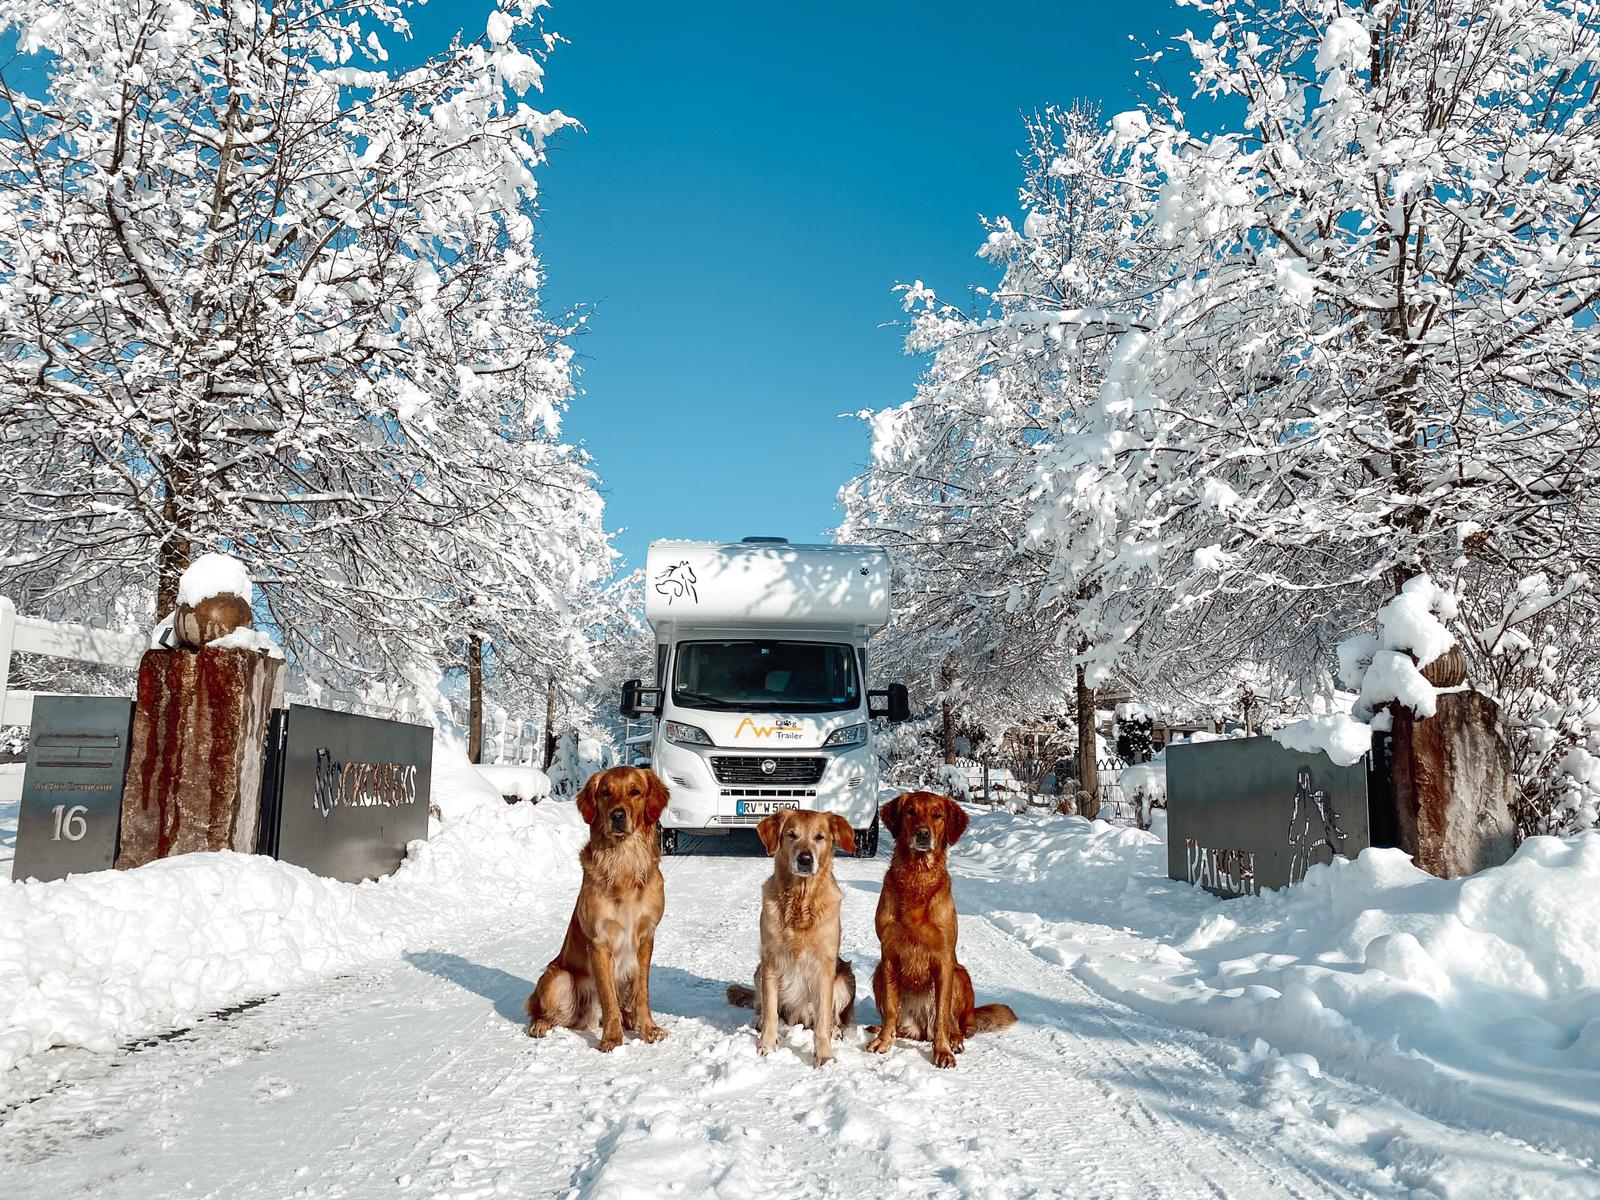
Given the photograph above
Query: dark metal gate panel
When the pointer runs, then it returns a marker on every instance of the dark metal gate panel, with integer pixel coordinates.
(72, 786)
(1247, 813)
(350, 792)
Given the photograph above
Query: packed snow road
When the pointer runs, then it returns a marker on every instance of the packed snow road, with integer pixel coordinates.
(414, 1077)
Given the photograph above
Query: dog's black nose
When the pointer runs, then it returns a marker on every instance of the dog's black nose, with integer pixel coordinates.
(805, 859)
(924, 834)
(619, 817)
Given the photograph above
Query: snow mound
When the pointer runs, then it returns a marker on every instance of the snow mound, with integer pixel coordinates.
(459, 788)
(215, 575)
(525, 783)
(96, 960)
(1475, 999)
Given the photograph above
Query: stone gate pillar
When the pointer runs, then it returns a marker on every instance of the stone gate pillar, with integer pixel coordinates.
(1452, 785)
(199, 744)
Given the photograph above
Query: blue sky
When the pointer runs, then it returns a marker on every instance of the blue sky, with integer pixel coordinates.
(752, 182)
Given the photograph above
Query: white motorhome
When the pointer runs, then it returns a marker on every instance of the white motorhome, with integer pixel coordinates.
(760, 697)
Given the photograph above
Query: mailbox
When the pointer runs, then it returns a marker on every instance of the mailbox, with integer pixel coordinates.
(72, 786)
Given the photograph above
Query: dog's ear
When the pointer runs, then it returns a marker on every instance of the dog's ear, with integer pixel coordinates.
(656, 796)
(889, 815)
(589, 799)
(768, 831)
(843, 835)
(955, 821)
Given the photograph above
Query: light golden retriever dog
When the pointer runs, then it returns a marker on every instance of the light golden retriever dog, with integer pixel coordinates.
(801, 980)
(920, 988)
(602, 975)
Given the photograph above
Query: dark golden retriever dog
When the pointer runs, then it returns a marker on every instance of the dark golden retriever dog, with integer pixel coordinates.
(602, 975)
(801, 980)
(921, 990)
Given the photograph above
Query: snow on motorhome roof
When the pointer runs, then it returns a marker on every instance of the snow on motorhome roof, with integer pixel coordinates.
(767, 583)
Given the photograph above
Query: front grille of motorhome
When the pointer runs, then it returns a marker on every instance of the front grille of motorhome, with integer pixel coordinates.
(746, 769)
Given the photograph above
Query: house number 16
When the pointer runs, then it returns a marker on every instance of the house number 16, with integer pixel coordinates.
(70, 822)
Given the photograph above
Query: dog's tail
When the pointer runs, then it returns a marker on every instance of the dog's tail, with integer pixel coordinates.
(741, 996)
(990, 1018)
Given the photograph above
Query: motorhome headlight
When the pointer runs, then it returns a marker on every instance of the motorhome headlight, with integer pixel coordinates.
(686, 735)
(850, 735)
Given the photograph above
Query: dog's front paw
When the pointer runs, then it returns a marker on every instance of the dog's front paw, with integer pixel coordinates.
(822, 1055)
(958, 1044)
(651, 1032)
(883, 1043)
(610, 1039)
(943, 1058)
(766, 1045)
(540, 1027)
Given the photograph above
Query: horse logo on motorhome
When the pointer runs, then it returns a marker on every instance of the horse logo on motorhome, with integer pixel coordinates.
(678, 582)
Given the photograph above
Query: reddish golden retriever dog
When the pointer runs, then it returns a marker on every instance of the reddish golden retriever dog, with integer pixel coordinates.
(801, 980)
(602, 975)
(921, 990)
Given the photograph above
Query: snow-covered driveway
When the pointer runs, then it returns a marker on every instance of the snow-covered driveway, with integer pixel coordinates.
(414, 1077)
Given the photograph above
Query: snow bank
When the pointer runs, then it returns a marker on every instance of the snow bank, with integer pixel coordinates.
(215, 575)
(525, 783)
(96, 960)
(1475, 999)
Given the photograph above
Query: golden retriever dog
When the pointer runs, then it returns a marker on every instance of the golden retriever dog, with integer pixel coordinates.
(921, 990)
(801, 980)
(602, 974)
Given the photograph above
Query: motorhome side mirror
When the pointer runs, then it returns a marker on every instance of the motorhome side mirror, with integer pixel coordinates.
(893, 702)
(639, 701)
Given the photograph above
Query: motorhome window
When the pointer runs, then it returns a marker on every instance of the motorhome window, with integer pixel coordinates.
(760, 676)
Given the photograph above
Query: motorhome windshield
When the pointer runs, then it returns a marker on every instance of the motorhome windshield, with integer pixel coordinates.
(759, 676)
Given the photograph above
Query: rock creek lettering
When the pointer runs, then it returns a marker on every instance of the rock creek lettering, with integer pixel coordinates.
(362, 785)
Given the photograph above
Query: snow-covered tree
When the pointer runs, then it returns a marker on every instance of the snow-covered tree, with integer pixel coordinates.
(1380, 358)
(956, 476)
(261, 292)
(1377, 358)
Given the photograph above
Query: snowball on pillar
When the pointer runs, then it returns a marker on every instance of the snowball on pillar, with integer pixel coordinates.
(214, 599)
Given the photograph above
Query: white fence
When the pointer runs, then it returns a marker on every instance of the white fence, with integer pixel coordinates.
(54, 639)
(512, 741)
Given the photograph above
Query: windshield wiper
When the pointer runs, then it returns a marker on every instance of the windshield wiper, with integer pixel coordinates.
(703, 700)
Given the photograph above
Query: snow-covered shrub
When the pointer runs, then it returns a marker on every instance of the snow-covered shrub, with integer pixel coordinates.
(953, 783)
(577, 758)
(1532, 644)
(1134, 724)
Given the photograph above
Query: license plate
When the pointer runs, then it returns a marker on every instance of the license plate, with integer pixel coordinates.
(764, 808)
